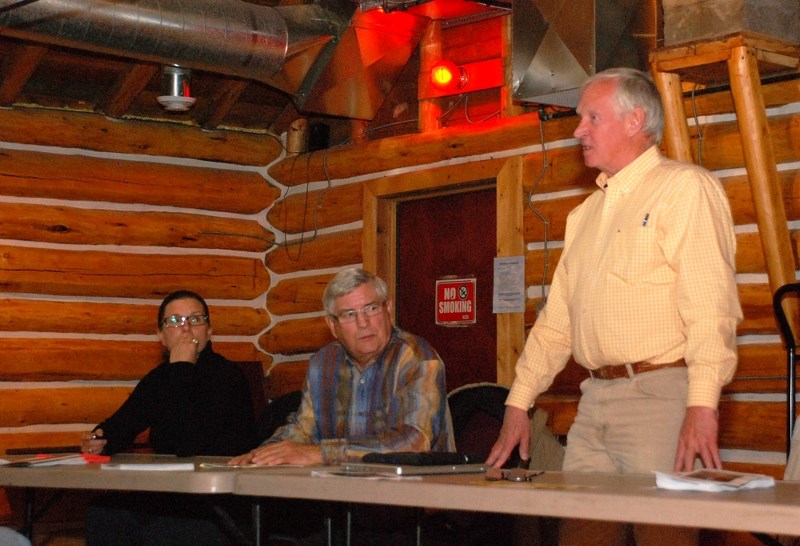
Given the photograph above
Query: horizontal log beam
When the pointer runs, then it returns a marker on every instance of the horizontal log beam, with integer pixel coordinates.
(303, 212)
(48, 359)
(93, 132)
(88, 405)
(722, 145)
(565, 171)
(66, 225)
(344, 204)
(20, 315)
(420, 149)
(295, 336)
(297, 295)
(82, 178)
(321, 252)
(774, 470)
(740, 196)
(721, 148)
(50, 439)
(93, 273)
(285, 377)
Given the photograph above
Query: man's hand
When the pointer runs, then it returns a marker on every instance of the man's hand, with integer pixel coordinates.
(286, 452)
(698, 439)
(516, 431)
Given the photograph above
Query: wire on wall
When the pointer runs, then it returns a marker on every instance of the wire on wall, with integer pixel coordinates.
(538, 214)
(699, 127)
(464, 97)
(286, 243)
(317, 205)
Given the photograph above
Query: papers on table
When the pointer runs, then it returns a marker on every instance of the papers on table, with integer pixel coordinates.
(712, 480)
(149, 466)
(52, 460)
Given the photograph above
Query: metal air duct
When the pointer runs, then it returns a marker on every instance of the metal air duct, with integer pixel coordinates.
(294, 48)
(557, 45)
(223, 36)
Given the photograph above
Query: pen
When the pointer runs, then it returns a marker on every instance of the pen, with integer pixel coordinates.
(646, 218)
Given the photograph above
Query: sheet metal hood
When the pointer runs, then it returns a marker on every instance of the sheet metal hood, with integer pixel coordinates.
(330, 57)
(557, 45)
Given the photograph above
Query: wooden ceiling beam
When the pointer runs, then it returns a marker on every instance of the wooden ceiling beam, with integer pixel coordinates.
(224, 98)
(17, 69)
(284, 119)
(127, 87)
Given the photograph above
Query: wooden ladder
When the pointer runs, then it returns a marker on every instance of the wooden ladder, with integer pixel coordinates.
(739, 61)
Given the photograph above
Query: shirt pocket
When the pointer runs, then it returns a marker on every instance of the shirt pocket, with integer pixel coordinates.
(636, 258)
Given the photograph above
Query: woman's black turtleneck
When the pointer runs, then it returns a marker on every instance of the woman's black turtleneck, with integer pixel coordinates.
(190, 409)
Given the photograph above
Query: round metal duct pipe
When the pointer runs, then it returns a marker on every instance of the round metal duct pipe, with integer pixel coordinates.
(221, 36)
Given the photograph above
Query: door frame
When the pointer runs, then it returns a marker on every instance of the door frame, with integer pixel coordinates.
(379, 233)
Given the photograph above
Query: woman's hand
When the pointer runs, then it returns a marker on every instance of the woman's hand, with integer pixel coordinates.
(93, 442)
(185, 348)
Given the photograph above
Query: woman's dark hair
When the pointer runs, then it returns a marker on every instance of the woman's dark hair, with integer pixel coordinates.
(181, 295)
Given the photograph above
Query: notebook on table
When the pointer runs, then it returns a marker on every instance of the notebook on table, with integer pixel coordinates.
(414, 464)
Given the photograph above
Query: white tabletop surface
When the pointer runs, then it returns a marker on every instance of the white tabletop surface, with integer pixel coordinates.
(611, 497)
(94, 476)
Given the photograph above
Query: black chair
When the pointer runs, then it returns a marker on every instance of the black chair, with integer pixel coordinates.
(277, 412)
(253, 372)
(477, 411)
(791, 347)
(790, 342)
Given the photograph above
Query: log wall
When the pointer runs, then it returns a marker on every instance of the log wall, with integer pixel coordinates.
(100, 220)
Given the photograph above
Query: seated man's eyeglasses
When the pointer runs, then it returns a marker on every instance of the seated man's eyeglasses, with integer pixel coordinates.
(369, 310)
(176, 321)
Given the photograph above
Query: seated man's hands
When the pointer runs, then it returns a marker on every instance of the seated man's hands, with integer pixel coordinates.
(285, 452)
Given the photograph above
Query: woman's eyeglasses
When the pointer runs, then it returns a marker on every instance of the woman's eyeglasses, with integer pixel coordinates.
(176, 321)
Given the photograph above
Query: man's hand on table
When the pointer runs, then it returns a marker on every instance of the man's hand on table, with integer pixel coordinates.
(285, 452)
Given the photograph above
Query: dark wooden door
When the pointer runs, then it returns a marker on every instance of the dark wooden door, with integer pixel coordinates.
(452, 235)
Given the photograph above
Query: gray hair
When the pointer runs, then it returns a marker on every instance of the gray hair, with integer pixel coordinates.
(635, 89)
(348, 280)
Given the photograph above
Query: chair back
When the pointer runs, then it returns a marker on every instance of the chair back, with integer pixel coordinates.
(253, 371)
(477, 411)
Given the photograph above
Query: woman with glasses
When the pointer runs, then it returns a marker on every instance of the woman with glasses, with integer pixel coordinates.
(194, 403)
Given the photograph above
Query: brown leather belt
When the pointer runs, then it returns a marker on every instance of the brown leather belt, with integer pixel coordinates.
(629, 370)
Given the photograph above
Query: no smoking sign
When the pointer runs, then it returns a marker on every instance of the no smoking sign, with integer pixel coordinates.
(455, 302)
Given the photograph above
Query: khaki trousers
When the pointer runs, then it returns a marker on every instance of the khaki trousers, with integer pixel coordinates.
(628, 425)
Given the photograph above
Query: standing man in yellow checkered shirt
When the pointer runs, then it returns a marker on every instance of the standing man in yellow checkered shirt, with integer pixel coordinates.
(644, 297)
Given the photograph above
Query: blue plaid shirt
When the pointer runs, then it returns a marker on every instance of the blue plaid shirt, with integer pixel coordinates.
(397, 403)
